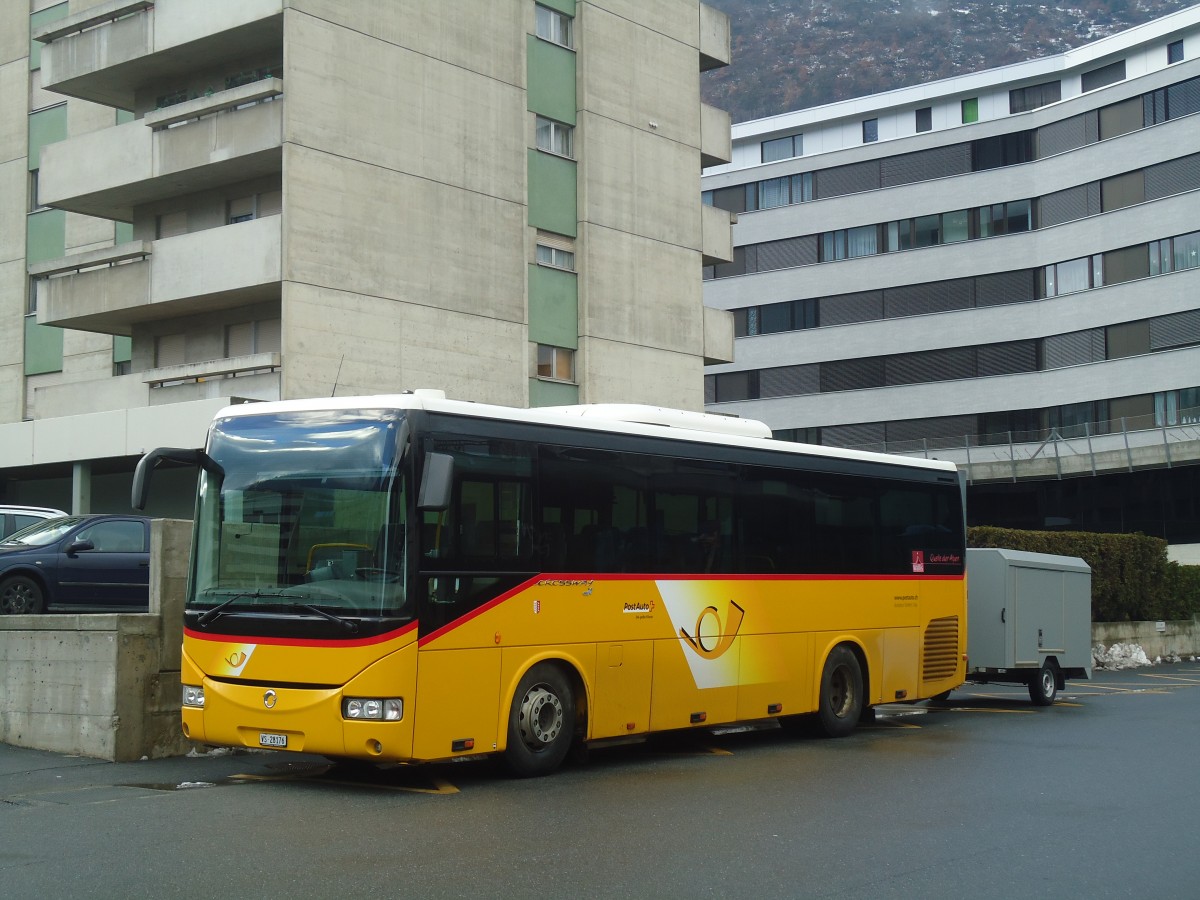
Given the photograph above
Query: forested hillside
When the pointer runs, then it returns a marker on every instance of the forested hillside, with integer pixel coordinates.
(789, 54)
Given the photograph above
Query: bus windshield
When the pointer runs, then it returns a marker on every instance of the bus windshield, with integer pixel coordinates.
(306, 513)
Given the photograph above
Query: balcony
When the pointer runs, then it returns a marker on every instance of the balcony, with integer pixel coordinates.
(714, 38)
(716, 142)
(109, 52)
(110, 291)
(230, 136)
(716, 235)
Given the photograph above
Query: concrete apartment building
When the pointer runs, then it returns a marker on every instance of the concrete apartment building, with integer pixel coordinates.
(1001, 268)
(240, 200)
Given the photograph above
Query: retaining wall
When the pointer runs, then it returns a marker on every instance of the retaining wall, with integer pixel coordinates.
(1164, 639)
(101, 685)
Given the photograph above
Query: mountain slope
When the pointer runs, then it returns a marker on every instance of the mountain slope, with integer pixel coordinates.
(790, 54)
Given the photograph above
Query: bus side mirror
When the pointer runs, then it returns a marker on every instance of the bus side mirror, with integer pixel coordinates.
(145, 467)
(437, 482)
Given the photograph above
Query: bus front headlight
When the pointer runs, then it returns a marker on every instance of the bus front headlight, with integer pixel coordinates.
(193, 695)
(386, 709)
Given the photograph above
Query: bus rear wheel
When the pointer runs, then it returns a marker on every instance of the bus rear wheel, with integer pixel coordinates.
(841, 701)
(541, 722)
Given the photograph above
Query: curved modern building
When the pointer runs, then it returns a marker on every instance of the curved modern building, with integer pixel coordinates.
(1001, 268)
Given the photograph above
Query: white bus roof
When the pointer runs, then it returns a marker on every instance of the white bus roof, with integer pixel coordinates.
(621, 418)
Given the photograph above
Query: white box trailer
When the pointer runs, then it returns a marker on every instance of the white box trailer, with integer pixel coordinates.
(1029, 620)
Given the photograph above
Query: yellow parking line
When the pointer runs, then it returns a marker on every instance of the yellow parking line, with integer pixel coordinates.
(1185, 681)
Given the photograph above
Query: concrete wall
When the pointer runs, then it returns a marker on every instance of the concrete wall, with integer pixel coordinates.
(1180, 638)
(106, 685)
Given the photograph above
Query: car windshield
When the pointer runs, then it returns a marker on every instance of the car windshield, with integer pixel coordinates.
(306, 512)
(43, 533)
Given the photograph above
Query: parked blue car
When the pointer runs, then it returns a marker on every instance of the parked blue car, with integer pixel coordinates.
(94, 563)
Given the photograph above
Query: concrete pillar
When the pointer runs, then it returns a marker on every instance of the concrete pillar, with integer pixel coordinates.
(81, 488)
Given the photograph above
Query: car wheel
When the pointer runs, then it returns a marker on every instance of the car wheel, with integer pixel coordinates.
(21, 595)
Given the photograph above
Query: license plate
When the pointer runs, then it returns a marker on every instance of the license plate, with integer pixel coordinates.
(272, 740)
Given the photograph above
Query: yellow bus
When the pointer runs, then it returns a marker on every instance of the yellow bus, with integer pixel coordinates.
(409, 578)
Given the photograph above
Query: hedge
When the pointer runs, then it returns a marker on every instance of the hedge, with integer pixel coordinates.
(1132, 579)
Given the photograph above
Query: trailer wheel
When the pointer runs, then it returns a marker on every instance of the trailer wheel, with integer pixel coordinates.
(841, 693)
(1043, 690)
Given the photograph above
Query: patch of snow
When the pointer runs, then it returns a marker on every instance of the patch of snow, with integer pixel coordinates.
(211, 752)
(1120, 656)
(193, 784)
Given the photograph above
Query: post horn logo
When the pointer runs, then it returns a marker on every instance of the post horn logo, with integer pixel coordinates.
(712, 642)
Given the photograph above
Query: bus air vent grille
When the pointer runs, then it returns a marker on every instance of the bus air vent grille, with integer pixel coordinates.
(941, 649)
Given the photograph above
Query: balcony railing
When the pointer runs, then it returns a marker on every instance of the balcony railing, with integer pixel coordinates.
(109, 291)
(229, 136)
(114, 50)
(1125, 444)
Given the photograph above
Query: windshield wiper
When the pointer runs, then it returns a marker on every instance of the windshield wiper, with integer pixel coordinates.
(210, 614)
(349, 626)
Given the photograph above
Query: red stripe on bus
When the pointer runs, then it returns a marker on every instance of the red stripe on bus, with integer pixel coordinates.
(301, 642)
(621, 576)
(478, 611)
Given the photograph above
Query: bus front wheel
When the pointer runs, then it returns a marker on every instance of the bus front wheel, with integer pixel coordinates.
(841, 693)
(541, 723)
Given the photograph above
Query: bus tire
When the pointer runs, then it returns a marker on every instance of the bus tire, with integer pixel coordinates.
(1043, 689)
(541, 722)
(841, 700)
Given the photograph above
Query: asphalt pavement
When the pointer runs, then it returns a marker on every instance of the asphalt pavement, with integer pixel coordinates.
(981, 795)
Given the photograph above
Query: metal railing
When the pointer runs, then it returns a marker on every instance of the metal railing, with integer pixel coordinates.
(1127, 443)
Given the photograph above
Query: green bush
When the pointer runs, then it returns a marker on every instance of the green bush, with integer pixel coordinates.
(1132, 579)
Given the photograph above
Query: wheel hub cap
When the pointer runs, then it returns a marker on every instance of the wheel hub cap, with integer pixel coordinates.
(541, 717)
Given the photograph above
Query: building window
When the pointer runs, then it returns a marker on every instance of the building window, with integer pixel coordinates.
(34, 203)
(1104, 76)
(170, 350)
(256, 206)
(554, 26)
(782, 148)
(555, 137)
(849, 243)
(555, 363)
(970, 110)
(31, 297)
(1187, 251)
(1034, 96)
(246, 338)
(556, 258)
(925, 118)
(870, 128)
(1174, 52)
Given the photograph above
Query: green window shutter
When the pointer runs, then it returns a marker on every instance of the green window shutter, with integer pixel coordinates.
(553, 307)
(43, 347)
(46, 126)
(45, 235)
(552, 193)
(552, 393)
(551, 80)
(970, 110)
(36, 21)
(122, 348)
(566, 7)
